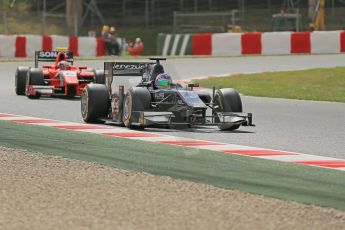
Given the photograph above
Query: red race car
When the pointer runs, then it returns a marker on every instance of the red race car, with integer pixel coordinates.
(61, 78)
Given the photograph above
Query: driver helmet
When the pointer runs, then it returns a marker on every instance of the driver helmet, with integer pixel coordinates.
(163, 81)
(64, 65)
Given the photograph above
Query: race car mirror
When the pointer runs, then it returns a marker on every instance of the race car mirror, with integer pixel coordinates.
(192, 85)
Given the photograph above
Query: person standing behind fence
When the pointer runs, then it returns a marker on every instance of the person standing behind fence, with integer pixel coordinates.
(107, 39)
(115, 47)
(137, 48)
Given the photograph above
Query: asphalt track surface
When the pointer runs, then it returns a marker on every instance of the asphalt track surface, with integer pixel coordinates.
(309, 127)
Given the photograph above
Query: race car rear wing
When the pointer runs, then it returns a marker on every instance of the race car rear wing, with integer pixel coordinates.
(50, 56)
(134, 69)
(126, 69)
(129, 69)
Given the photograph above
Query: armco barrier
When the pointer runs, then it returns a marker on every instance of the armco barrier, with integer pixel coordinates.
(26, 45)
(235, 44)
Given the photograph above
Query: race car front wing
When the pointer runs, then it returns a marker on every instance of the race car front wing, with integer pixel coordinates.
(33, 90)
(165, 118)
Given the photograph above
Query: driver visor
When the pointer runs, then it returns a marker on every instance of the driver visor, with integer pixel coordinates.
(164, 83)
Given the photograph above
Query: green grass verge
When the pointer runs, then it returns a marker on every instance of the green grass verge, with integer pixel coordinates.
(317, 84)
(312, 185)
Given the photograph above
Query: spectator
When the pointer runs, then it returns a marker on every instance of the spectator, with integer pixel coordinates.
(107, 39)
(137, 48)
(115, 47)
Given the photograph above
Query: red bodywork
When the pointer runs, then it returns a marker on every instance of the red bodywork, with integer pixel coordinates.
(69, 82)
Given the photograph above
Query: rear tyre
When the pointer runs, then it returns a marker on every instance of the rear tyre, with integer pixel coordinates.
(227, 100)
(99, 77)
(20, 79)
(136, 99)
(94, 103)
(35, 77)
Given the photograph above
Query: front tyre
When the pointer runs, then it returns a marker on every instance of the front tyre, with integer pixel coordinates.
(227, 100)
(20, 79)
(35, 77)
(136, 99)
(94, 103)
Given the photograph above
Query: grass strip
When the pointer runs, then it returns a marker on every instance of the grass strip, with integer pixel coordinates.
(323, 84)
(311, 185)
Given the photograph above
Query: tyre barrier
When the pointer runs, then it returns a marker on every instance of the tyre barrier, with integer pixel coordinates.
(257, 43)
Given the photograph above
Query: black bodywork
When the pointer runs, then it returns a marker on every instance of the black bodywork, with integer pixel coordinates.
(144, 105)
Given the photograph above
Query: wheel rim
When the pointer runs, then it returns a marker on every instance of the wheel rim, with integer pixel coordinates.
(127, 109)
(217, 103)
(16, 82)
(84, 104)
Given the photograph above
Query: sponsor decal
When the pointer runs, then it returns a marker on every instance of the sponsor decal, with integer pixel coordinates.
(52, 54)
(128, 66)
(30, 90)
(47, 54)
(115, 101)
(69, 73)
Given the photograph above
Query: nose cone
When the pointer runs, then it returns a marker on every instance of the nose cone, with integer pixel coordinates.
(70, 77)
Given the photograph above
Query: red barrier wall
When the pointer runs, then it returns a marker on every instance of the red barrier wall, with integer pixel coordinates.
(300, 42)
(20, 46)
(201, 44)
(100, 50)
(47, 43)
(251, 43)
(342, 42)
(73, 45)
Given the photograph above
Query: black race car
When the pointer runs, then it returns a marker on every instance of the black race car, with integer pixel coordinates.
(144, 105)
